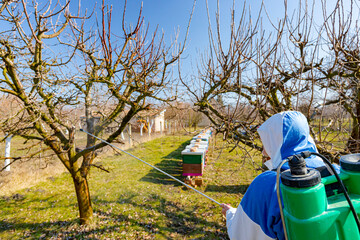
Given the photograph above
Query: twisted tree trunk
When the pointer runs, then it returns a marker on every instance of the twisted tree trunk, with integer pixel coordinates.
(83, 198)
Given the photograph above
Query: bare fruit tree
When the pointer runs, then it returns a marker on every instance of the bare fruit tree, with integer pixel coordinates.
(57, 63)
(235, 84)
(302, 61)
(341, 77)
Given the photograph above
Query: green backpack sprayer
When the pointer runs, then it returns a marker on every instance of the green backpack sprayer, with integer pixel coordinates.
(320, 208)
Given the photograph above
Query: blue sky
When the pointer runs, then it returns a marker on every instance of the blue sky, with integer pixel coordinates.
(173, 15)
(170, 15)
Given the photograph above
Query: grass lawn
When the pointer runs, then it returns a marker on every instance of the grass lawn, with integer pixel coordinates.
(133, 201)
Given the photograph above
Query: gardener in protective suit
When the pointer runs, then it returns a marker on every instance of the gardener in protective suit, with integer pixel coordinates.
(258, 214)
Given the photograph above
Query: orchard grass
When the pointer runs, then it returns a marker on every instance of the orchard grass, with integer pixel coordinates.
(134, 201)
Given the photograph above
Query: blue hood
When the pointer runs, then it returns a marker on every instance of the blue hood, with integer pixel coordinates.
(285, 134)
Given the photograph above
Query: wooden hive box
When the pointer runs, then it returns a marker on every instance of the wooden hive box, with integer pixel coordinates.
(190, 157)
(193, 169)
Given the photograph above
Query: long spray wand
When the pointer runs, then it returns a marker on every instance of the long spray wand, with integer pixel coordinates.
(152, 166)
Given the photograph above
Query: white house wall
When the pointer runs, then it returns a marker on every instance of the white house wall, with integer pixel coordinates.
(159, 122)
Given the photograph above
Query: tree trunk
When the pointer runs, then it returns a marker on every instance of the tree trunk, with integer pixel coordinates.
(353, 143)
(83, 198)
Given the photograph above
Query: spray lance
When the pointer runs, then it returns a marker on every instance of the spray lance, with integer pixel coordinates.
(152, 166)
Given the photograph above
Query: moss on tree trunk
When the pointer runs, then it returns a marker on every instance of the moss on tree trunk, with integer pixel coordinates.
(83, 198)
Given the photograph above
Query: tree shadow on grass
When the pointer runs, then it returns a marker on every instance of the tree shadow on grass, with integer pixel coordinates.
(42, 230)
(59, 230)
(171, 164)
(167, 218)
(227, 188)
(131, 216)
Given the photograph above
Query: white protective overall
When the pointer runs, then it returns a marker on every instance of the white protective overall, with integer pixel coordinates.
(258, 215)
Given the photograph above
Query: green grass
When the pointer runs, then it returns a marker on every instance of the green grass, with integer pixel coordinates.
(134, 201)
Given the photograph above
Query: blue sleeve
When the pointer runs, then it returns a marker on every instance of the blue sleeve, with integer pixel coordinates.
(261, 205)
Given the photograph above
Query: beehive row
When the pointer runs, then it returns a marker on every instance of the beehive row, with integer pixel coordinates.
(194, 156)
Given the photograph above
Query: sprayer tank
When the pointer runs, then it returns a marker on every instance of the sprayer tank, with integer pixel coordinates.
(312, 213)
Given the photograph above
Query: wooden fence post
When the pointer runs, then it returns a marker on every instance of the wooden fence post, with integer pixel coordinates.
(141, 128)
(129, 131)
(122, 135)
(150, 126)
(7, 152)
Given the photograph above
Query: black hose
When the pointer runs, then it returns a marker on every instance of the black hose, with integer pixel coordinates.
(342, 186)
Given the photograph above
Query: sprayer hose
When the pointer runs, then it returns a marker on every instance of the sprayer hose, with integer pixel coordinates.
(279, 197)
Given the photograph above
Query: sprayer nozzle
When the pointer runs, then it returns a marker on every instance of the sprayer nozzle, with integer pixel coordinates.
(81, 129)
(306, 154)
(303, 155)
(297, 164)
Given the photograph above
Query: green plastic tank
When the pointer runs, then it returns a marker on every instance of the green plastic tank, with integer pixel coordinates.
(315, 208)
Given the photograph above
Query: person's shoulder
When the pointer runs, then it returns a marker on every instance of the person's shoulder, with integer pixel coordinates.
(263, 185)
(265, 177)
(259, 202)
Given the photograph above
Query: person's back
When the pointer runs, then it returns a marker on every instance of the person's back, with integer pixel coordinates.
(258, 215)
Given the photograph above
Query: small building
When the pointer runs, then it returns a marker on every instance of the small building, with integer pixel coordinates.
(159, 121)
(156, 119)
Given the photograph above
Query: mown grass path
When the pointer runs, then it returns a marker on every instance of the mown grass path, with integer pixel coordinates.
(133, 201)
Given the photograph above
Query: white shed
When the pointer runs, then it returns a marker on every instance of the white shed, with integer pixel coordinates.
(159, 121)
